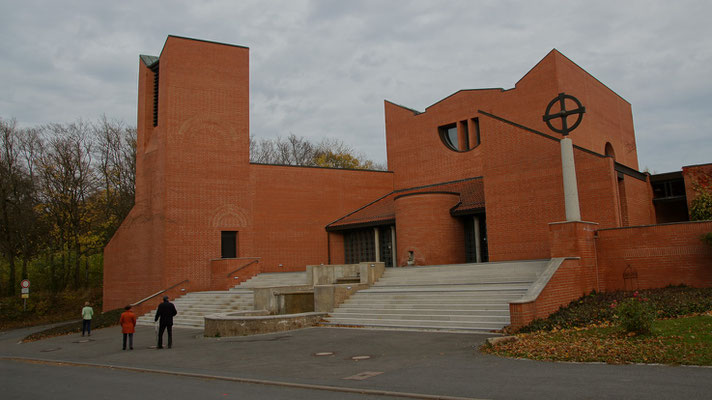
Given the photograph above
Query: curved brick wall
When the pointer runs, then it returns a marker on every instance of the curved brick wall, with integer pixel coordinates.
(425, 227)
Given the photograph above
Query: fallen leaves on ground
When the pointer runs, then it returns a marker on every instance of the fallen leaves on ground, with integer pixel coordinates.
(674, 341)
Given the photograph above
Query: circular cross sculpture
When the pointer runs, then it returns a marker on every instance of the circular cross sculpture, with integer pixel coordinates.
(564, 113)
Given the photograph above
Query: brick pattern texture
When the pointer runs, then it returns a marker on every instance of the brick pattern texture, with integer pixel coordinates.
(194, 180)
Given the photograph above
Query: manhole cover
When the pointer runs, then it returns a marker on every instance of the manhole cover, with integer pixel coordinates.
(359, 358)
(83, 341)
(363, 375)
(52, 349)
(324, 353)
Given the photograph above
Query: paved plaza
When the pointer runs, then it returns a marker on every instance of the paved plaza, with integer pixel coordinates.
(373, 362)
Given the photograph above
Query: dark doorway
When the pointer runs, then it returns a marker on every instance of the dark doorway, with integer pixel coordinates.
(228, 244)
(475, 237)
(359, 245)
(385, 244)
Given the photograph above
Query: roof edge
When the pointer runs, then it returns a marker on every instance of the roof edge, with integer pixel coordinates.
(414, 111)
(206, 41)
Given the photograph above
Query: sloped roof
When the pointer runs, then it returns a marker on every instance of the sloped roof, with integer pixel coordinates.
(382, 211)
(148, 60)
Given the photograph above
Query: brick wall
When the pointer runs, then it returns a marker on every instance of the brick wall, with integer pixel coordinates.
(658, 255)
(425, 227)
(293, 205)
(194, 180)
(629, 258)
(563, 287)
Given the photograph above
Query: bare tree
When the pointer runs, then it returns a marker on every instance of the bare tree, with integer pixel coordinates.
(294, 150)
(68, 181)
(19, 230)
(116, 162)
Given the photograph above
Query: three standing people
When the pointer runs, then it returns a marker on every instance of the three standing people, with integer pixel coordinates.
(164, 315)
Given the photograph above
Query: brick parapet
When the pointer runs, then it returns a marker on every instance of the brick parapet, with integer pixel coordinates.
(650, 256)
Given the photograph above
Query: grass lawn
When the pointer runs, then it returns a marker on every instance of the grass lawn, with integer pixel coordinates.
(684, 340)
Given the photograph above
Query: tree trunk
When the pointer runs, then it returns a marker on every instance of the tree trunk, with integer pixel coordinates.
(11, 280)
(24, 267)
(52, 273)
(86, 272)
(77, 262)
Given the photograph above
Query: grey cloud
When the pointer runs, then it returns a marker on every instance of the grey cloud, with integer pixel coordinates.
(323, 68)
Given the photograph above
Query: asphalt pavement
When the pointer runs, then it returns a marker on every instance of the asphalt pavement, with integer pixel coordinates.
(356, 362)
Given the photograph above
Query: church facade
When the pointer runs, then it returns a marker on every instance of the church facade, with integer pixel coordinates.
(475, 177)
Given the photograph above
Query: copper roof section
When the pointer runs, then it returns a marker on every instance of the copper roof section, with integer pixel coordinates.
(382, 211)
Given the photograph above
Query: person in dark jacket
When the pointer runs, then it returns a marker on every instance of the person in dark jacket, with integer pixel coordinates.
(164, 315)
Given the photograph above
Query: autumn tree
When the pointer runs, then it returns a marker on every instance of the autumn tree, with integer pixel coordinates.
(68, 182)
(294, 150)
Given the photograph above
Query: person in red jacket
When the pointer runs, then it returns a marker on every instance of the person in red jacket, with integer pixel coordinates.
(128, 325)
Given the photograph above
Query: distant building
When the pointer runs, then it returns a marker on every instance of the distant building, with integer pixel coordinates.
(476, 177)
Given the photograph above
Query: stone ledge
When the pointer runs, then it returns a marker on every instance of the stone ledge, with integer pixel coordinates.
(247, 323)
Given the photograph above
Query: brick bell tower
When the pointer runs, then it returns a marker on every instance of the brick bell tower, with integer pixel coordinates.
(192, 169)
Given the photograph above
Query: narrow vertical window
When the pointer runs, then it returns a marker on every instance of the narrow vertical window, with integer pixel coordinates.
(155, 95)
(463, 137)
(228, 244)
(475, 138)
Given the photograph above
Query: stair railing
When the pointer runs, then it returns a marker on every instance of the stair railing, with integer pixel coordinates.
(256, 260)
(158, 293)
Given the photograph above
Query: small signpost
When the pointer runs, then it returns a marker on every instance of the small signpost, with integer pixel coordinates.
(25, 290)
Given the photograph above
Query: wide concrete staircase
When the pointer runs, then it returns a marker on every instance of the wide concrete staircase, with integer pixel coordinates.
(273, 279)
(193, 306)
(463, 297)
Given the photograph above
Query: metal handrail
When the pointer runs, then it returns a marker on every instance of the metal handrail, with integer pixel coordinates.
(244, 266)
(159, 292)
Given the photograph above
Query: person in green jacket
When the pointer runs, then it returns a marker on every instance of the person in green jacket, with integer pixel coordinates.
(87, 313)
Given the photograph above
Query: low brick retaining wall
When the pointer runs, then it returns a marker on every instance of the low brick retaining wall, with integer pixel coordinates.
(244, 324)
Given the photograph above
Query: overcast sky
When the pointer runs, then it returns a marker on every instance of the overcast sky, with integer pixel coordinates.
(323, 68)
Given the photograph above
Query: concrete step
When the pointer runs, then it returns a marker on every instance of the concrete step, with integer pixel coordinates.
(462, 297)
(422, 317)
(274, 279)
(193, 306)
(416, 324)
(423, 311)
(415, 306)
(361, 300)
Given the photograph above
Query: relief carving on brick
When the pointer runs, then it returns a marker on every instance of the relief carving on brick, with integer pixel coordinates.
(206, 126)
(229, 216)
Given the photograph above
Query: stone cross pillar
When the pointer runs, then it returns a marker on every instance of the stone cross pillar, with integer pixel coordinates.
(571, 198)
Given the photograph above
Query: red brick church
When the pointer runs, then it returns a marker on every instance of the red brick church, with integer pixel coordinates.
(476, 177)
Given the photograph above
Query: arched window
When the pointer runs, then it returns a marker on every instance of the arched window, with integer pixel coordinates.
(461, 136)
(609, 150)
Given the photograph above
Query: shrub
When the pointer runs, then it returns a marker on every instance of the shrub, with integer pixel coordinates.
(594, 308)
(635, 314)
(701, 206)
(707, 238)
